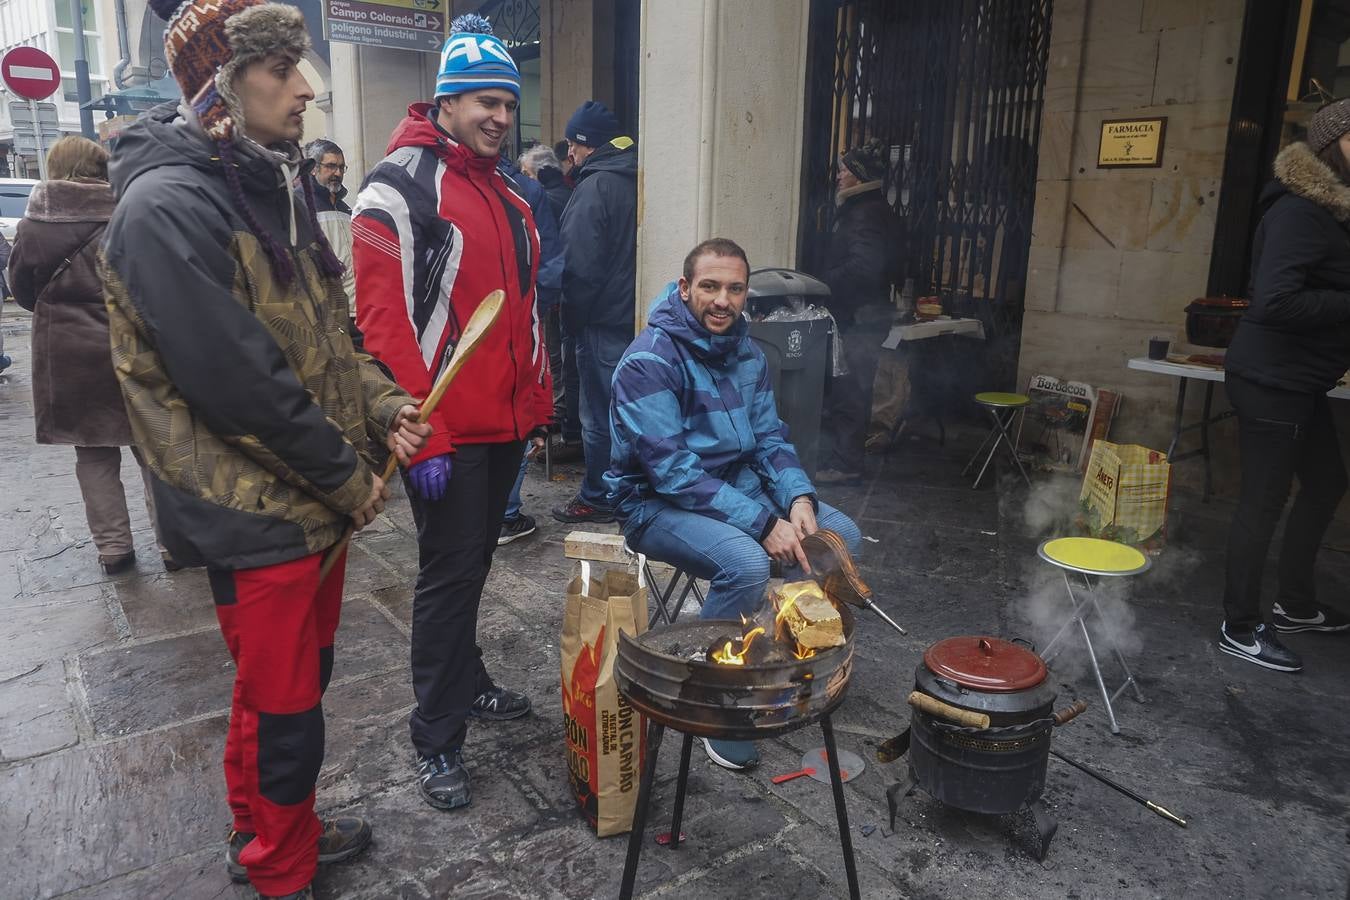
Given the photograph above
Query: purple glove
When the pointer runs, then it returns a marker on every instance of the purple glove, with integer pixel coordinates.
(429, 477)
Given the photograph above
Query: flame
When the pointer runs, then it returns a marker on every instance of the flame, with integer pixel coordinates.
(784, 606)
(728, 655)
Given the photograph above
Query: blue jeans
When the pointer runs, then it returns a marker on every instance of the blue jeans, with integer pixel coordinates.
(733, 561)
(598, 351)
(513, 501)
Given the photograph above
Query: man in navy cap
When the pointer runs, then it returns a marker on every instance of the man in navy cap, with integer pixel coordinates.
(599, 230)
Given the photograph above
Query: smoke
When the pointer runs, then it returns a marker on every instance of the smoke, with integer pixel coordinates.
(1050, 506)
(1111, 621)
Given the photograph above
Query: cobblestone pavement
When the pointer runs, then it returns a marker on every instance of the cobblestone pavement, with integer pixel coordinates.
(113, 696)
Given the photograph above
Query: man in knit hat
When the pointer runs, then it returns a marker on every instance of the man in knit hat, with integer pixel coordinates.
(437, 227)
(859, 266)
(262, 425)
(599, 230)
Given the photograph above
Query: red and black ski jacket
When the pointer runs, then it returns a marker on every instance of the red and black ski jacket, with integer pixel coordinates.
(436, 228)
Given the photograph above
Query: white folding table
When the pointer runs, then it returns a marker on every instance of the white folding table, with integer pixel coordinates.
(1185, 372)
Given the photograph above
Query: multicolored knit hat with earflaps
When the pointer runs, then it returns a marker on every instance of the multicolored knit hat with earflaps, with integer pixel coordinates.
(207, 44)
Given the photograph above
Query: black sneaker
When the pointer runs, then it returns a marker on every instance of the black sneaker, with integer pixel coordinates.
(305, 893)
(444, 780)
(839, 477)
(514, 529)
(1320, 618)
(342, 838)
(1259, 646)
(579, 511)
(499, 704)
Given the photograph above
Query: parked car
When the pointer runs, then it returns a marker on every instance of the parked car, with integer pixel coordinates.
(13, 201)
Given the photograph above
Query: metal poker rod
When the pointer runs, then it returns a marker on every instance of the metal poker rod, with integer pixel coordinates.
(889, 621)
(1143, 801)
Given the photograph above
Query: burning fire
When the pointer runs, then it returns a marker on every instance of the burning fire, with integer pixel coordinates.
(733, 652)
(780, 629)
(728, 656)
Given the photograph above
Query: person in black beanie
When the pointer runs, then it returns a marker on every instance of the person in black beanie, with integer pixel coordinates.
(858, 269)
(599, 230)
(1290, 348)
(263, 427)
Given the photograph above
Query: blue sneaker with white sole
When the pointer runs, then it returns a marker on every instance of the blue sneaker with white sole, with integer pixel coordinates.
(735, 755)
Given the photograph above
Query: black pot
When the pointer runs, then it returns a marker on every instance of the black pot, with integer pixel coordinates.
(1212, 321)
(993, 770)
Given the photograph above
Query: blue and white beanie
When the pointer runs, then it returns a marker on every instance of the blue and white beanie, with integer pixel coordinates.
(473, 59)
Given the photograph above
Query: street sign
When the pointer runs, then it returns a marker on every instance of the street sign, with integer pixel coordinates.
(30, 73)
(21, 116)
(403, 24)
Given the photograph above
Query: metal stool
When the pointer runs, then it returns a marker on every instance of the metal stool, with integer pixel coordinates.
(1003, 408)
(1093, 558)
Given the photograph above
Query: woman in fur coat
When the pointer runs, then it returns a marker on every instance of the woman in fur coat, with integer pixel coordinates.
(53, 272)
(1290, 348)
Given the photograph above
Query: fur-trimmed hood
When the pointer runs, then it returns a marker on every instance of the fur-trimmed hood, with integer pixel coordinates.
(1300, 172)
(70, 201)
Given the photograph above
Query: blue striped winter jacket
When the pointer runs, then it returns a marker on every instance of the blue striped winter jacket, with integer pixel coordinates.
(694, 423)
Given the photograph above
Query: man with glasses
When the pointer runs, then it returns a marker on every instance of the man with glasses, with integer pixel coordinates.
(327, 166)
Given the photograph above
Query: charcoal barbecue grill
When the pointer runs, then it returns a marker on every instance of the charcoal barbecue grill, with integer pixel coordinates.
(664, 675)
(979, 736)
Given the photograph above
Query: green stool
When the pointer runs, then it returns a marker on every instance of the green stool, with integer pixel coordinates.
(1003, 409)
(1093, 558)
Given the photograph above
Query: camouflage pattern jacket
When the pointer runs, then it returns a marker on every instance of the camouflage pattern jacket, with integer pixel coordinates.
(259, 420)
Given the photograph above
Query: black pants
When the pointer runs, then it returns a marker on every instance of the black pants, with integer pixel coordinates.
(848, 409)
(456, 537)
(562, 360)
(1281, 435)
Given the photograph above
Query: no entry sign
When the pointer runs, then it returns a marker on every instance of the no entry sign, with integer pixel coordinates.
(30, 73)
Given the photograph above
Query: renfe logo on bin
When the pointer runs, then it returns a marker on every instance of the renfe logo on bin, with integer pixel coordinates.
(795, 343)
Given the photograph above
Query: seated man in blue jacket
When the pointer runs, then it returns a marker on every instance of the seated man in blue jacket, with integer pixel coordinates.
(702, 475)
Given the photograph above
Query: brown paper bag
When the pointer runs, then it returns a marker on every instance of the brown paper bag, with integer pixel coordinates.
(605, 736)
(1125, 493)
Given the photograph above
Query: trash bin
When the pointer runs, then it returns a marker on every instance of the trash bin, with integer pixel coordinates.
(797, 352)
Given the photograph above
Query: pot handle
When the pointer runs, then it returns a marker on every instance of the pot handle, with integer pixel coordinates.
(1069, 713)
(1030, 644)
(935, 707)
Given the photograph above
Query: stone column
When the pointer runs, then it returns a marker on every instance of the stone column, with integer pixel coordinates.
(720, 132)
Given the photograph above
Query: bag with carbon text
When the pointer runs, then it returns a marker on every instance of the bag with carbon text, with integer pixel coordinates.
(606, 737)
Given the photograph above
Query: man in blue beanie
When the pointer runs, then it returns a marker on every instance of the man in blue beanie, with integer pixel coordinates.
(599, 230)
(437, 227)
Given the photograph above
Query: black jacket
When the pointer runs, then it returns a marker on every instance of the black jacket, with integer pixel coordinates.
(324, 201)
(862, 251)
(557, 188)
(1296, 335)
(599, 230)
(261, 423)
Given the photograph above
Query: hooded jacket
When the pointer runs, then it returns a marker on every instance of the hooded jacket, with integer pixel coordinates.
(335, 219)
(862, 251)
(54, 272)
(557, 188)
(1295, 336)
(258, 419)
(436, 229)
(599, 230)
(548, 282)
(695, 425)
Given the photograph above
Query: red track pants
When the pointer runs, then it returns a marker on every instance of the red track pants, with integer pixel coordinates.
(278, 622)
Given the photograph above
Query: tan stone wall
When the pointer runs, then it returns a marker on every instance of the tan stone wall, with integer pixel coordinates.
(576, 59)
(1117, 254)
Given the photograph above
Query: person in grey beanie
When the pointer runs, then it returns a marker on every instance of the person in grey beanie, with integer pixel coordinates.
(1290, 348)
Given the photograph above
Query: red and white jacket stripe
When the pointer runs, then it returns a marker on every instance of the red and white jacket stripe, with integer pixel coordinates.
(435, 229)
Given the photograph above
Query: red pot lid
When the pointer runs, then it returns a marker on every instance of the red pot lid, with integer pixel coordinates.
(985, 664)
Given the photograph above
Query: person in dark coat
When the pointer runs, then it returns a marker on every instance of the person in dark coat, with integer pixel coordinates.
(1290, 348)
(541, 163)
(599, 284)
(5, 361)
(53, 271)
(858, 269)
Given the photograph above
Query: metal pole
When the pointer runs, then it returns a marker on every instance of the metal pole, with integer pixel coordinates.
(82, 89)
(37, 137)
